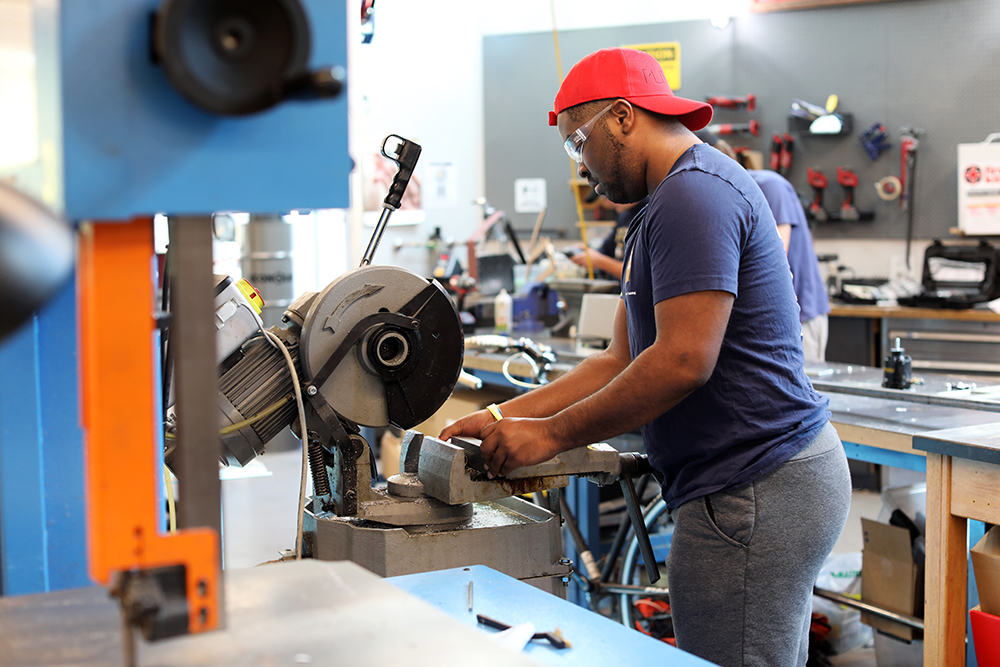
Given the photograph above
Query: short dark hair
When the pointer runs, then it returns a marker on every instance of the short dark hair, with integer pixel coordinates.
(585, 110)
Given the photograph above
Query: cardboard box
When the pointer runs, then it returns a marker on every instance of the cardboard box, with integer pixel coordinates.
(986, 565)
(986, 637)
(890, 579)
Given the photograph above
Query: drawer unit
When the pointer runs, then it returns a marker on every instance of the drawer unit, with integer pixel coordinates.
(970, 347)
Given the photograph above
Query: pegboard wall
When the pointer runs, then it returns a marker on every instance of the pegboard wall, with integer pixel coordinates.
(930, 64)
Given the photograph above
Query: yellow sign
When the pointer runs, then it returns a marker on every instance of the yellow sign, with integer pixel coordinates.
(668, 54)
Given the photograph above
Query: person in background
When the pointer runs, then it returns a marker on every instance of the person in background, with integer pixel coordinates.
(810, 292)
(609, 257)
(706, 357)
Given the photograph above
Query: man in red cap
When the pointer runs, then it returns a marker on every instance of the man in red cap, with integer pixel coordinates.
(707, 359)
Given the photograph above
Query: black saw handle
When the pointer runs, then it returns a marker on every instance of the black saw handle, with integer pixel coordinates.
(406, 155)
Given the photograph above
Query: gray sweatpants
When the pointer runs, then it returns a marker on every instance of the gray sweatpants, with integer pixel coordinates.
(743, 562)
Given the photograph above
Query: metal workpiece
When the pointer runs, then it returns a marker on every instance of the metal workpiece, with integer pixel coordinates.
(445, 476)
(454, 472)
(510, 535)
(591, 459)
(905, 619)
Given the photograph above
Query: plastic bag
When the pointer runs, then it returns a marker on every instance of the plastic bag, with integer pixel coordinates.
(841, 573)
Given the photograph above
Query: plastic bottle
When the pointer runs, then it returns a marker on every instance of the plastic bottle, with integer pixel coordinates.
(503, 312)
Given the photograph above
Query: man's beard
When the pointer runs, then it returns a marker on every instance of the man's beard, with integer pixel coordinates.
(621, 167)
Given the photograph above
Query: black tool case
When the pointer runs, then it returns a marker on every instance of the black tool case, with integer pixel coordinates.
(958, 275)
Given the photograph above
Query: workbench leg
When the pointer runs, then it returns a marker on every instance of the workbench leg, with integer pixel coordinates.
(584, 499)
(946, 575)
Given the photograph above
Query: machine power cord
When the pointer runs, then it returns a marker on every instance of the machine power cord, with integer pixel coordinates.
(521, 383)
(305, 447)
(249, 421)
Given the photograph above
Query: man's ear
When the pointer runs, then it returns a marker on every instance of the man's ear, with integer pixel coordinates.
(625, 115)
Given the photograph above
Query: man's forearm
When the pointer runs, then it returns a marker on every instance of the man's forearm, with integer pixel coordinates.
(648, 388)
(584, 379)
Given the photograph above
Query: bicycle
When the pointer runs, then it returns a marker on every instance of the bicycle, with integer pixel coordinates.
(626, 576)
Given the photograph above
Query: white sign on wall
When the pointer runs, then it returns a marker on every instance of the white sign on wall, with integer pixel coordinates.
(529, 195)
(440, 190)
(979, 186)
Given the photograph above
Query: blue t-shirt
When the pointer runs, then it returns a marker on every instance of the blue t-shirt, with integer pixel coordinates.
(708, 227)
(614, 243)
(787, 210)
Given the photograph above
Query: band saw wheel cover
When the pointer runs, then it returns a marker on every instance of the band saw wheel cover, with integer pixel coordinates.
(232, 57)
(419, 369)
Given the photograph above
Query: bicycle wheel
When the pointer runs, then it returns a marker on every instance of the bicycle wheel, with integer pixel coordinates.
(633, 571)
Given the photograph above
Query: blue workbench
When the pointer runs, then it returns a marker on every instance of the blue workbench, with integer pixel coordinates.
(595, 640)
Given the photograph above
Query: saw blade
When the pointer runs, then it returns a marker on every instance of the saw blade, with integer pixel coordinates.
(393, 375)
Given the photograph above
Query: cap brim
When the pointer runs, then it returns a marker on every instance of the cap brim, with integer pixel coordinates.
(692, 114)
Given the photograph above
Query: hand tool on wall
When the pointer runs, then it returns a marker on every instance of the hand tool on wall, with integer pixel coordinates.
(776, 146)
(849, 212)
(803, 109)
(875, 140)
(908, 145)
(908, 161)
(888, 188)
(849, 180)
(787, 147)
(753, 127)
(818, 181)
(749, 102)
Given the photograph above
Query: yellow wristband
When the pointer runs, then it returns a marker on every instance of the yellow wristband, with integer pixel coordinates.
(495, 411)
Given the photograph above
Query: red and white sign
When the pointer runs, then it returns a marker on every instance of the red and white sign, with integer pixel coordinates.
(979, 187)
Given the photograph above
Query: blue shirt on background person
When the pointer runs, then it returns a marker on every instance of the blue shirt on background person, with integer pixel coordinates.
(810, 290)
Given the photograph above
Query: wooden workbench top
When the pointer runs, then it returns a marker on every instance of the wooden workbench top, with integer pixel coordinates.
(895, 311)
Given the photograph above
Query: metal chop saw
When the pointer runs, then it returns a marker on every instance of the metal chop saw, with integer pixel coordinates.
(383, 346)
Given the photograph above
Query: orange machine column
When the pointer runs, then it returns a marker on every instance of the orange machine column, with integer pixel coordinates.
(120, 415)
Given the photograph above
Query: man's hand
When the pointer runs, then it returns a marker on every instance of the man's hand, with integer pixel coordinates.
(470, 425)
(514, 443)
(580, 256)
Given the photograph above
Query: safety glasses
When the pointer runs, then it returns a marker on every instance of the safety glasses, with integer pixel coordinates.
(574, 142)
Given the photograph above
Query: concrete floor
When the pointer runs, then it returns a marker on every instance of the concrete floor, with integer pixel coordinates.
(259, 511)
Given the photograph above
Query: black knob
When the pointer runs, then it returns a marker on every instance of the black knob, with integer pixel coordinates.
(238, 57)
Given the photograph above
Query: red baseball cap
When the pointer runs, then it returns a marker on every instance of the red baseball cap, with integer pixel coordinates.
(632, 75)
